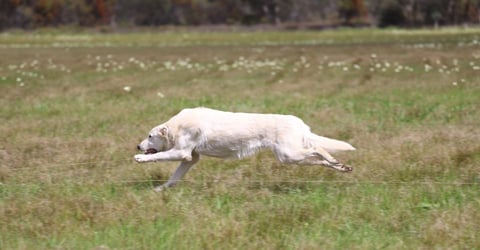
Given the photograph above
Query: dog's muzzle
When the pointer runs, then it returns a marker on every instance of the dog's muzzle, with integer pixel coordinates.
(151, 151)
(148, 151)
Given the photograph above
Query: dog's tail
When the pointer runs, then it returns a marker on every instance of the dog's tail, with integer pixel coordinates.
(330, 145)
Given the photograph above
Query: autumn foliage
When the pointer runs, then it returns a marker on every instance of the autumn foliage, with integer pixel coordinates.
(38, 13)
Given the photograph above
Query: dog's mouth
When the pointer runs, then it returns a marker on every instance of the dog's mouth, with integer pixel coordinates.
(150, 151)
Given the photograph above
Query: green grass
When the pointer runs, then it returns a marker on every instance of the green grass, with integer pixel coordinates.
(188, 37)
(407, 100)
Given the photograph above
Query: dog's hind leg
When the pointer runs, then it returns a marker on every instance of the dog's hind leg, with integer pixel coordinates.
(330, 161)
(317, 156)
(181, 170)
(317, 161)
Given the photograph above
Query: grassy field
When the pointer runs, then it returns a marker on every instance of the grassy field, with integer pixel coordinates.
(74, 106)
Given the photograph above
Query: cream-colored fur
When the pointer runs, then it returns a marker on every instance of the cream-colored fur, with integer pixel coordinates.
(203, 131)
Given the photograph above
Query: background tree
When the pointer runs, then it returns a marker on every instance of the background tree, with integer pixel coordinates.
(391, 14)
(349, 9)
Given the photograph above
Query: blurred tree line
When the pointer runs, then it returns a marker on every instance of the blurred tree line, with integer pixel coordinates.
(326, 13)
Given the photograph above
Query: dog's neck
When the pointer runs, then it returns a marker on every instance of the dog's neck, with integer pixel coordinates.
(169, 140)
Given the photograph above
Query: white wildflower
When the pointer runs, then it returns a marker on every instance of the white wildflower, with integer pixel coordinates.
(427, 68)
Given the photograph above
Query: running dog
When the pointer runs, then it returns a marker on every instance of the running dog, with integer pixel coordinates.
(203, 131)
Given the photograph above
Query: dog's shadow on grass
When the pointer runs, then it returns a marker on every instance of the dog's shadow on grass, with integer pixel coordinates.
(281, 187)
(153, 180)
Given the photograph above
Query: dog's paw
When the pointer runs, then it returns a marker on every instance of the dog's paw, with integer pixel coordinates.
(342, 167)
(347, 168)
(160, 188)
(142, 158)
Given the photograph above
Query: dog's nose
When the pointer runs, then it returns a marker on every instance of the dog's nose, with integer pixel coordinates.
(138, 147)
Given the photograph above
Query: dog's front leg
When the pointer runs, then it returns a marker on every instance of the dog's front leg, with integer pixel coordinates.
(181, 170)
(171, 155)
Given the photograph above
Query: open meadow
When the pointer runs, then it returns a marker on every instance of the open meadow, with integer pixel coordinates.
(74, 106)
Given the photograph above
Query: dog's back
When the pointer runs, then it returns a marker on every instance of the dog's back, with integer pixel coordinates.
(229, 134)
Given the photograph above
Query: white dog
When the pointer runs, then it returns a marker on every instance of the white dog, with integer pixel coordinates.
(203, 131)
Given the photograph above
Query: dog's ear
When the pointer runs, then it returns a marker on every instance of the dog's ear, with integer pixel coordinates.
(163, 131)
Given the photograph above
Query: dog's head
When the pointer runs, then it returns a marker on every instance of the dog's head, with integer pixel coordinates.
(158, 140)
